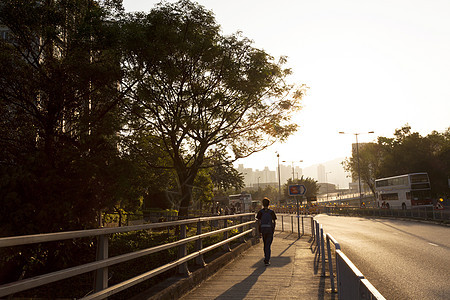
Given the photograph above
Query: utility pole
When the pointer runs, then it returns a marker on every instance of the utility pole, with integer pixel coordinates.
(279, 180)
(359, 170)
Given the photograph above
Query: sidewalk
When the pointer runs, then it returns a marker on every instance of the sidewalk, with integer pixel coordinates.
(292, 274)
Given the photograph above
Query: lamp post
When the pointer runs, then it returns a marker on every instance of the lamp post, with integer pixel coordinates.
(326, 182)
(279, 180)
(357, 158)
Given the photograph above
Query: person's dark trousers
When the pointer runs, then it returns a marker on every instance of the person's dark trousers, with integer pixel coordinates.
(267, 235)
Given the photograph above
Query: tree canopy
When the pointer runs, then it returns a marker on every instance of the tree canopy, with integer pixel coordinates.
(406, 152)
(59, 102)
(101, 108)
(198, 90)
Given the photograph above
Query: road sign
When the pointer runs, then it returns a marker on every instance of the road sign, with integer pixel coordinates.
(297, 190)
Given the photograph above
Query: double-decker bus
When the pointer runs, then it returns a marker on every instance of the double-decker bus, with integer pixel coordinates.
(403, 191)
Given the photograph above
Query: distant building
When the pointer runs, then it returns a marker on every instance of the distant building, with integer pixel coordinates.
(247, 173)
(321, 173)
(298, 172)
(325, 187)
(254, 177)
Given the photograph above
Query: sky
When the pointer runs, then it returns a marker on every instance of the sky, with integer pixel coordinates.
(369, 65)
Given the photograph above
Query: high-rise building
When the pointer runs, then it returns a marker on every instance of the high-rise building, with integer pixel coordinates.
(253, 177)
(321, 173)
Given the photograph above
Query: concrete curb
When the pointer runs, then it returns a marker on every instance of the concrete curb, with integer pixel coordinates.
(175, 287)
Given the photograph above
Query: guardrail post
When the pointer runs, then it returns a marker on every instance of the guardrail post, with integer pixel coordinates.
(315, 231)
(317, 237)
(101, 275)
(241, 229)
(330, 264)
(282, 223)
(226, 247)
(322, 246)
(182, 252)
(199, 245)
(292, 224)
(303, 227)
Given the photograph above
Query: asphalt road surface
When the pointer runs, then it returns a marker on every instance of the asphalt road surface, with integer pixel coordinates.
(402, 259)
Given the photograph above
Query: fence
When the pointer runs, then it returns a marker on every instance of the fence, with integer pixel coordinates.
(421, 212)
(299, 224)
(100, 266)
(351, 283)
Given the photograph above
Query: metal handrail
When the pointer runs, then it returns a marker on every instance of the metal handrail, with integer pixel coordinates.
(426, 212)
(351, 282)
(300, 223)
(138, 279)
(102, 263)
(67, 235)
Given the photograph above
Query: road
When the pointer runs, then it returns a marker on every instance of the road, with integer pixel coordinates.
(402, 259)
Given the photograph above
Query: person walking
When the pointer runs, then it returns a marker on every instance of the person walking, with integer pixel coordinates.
(266, 224)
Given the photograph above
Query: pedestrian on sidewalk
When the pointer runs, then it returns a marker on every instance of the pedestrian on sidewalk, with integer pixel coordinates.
(266, 224)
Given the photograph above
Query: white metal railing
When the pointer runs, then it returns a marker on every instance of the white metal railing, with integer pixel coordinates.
(100, 266)
(351, 283)
(297, 223)
(424, 212)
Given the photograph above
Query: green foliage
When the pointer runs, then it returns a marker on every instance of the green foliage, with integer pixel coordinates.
(370, 161)
(198, 90)
(407, 152)
(268, 191)
(202, 193)
(60, 117)
(223, 175)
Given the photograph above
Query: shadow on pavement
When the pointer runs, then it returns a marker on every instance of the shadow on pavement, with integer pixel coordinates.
(241, 289)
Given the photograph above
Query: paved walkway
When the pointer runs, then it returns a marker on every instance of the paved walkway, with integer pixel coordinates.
(292, 274)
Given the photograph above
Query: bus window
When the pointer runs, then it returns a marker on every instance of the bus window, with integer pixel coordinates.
(389, 197)
(416, 178)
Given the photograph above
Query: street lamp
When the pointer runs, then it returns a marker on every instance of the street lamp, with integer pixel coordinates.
(279, 182)
(357, 158)
(326, 182)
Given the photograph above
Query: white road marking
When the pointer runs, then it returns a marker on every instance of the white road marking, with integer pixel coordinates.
(433, 244)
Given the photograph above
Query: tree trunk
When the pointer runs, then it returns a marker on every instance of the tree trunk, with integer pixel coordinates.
(186, 177)
(186, 195)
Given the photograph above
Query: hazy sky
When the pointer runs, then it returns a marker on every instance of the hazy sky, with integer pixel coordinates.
(370, 65)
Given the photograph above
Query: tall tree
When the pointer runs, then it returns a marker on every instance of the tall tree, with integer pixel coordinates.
(59, 72)
(199, 90)
(223, 174)
(370, 160)
(406, 152)
(203, 190)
